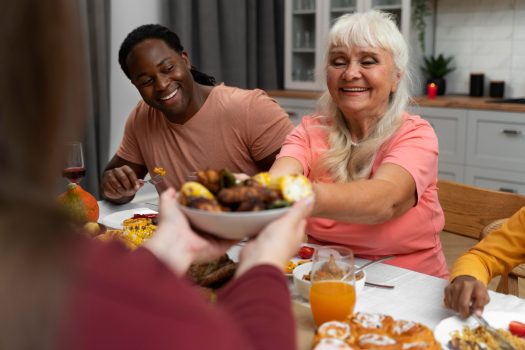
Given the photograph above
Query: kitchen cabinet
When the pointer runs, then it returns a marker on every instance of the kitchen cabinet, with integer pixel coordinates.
(297, 108)
(307, 23)
(480, 148)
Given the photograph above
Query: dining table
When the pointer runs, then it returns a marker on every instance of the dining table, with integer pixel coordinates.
(416, 296)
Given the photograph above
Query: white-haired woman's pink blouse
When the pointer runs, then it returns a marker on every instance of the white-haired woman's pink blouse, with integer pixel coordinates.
(413, 237)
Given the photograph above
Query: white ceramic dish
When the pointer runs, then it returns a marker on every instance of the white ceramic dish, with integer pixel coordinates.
(114, 220)
(303, 286)
(234, 225)
(497, 319)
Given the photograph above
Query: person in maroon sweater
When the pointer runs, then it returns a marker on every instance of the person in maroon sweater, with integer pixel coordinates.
(60, 290)
(141, 300)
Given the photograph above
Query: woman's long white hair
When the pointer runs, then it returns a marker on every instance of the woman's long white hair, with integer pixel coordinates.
(342, 161)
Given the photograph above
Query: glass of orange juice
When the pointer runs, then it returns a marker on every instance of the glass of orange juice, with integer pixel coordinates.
(332, 294)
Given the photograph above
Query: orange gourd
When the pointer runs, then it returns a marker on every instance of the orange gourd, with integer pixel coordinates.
(80, 204)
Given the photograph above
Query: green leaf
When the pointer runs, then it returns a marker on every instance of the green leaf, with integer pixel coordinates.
(437, 66)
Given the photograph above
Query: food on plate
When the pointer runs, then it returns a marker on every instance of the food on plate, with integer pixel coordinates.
(292, 265)
(517, 328)
(192, 189)
(329, 270)
(141, 227)
(215, 180)
(79, 204)
(295, 187)
(159, 171)
(332, 344)
(358, 276)
(217, 190)
(479, 338)
(306, 252)
(213, 274)
(92, 228)
(135, 230)
(138, 230)
(264, 179)
(375, 331)
(153, 216)
(109, 235)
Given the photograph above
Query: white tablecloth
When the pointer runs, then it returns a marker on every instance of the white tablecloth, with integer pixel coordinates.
(416, 296)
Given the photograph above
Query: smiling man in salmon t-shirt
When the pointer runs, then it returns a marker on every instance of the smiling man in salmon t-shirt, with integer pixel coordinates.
(184, 122)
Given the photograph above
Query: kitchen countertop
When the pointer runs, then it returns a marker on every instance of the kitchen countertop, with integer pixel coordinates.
(461, 101)
(447, 101)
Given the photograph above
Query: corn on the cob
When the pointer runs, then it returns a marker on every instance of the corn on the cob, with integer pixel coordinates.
(195, 189)
(295, 187)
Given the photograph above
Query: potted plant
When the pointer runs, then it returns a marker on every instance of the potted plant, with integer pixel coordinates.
(435, 68)
(420, 10)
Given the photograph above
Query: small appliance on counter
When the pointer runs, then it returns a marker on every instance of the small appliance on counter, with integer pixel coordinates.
(477, 82)
(497, 88)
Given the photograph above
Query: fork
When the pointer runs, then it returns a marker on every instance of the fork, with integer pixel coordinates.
(153, 180)
(498, 337)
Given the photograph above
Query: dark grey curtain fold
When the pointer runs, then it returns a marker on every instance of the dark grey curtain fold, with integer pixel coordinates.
(96, 140)
(239, 42)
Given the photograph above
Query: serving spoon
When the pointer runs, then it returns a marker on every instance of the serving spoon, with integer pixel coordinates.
(373, 262)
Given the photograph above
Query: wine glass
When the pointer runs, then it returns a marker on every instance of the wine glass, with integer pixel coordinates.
(332, 295)
(74, 170)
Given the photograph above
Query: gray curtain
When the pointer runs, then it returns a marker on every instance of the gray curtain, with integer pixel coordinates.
(239, 42)
(96, 140)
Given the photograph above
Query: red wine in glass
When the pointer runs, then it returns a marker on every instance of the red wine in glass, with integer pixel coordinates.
(74, 174)
(74, 169)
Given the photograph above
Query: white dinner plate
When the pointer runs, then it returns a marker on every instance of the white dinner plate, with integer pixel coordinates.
(114, 220)
(497, 319)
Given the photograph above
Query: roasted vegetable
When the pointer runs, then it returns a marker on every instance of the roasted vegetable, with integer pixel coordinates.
(295, 187)
(210, 179)
(279, 203)
(226, 178)
(238, 194)
(195, 189)
(159, 171)
(263, 179)
(218, 190)
(204, 204)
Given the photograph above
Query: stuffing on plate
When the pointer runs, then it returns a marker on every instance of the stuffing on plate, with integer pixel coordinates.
(479, 338)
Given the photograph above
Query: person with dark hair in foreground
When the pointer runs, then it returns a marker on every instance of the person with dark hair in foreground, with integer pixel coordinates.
(184, 122)
(62, 290)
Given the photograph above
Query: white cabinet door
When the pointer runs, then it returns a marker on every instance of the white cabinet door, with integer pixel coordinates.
(496, 140)
(507, 181)
(307, 23)
(452, 172)
(450, 126)
(304, 28)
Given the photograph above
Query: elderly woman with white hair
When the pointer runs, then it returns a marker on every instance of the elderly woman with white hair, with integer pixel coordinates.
(374, 166)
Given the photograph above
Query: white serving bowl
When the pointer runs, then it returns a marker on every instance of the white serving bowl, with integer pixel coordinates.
(303, 286)
(232, 225)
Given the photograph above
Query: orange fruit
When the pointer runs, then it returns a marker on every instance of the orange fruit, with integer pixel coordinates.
(80, 204)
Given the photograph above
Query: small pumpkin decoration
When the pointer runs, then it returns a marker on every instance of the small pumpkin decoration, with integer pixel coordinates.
(79, 204)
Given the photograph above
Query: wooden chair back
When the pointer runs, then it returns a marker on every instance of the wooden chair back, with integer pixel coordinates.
(474, 212)
(468, 209)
